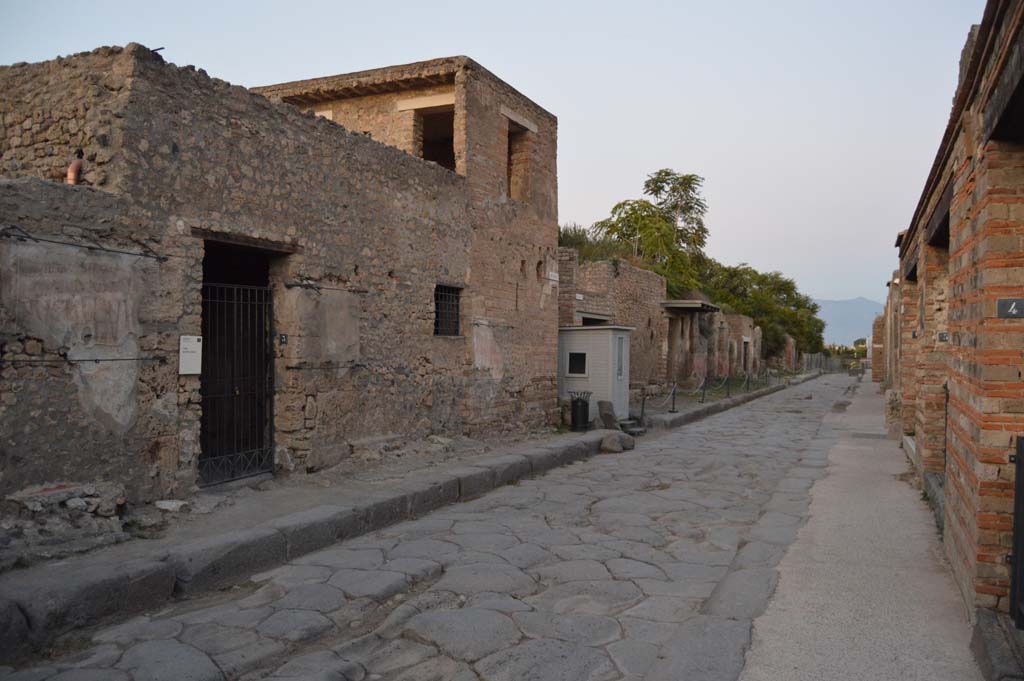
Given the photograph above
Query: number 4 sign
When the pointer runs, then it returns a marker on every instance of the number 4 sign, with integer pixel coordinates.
(1010, 308)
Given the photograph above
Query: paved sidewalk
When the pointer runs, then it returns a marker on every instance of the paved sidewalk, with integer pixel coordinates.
(864, 592)
(647, 564)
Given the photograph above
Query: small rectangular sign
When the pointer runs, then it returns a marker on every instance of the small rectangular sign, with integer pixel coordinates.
(190, 355)
(943, 336)
(1010, 308)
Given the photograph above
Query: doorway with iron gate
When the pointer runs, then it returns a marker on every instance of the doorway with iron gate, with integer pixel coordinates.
(237, 379)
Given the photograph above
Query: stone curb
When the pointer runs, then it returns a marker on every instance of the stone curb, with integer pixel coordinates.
(45, 601)
(805, 377)
(669, 421)
(992, 648)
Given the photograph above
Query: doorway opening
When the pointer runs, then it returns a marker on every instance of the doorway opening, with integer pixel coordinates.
(237, 379)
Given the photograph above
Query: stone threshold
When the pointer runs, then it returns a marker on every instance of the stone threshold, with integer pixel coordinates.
(39, 603)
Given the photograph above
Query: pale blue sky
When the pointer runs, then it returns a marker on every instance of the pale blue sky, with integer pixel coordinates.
(814, 123)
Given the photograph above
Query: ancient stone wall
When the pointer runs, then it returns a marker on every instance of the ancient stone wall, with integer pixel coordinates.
(878, 349)
(51, 108)
(790, 357)
(892, 350)
(633, 297)
(384, 118)
(741, 330)
(357, 235)
(568, 266)
(513, 298)
(89, 388)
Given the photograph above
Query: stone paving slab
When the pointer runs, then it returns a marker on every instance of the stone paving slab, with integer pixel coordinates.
(627, 566)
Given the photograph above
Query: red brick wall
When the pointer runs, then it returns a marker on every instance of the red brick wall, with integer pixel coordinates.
(909, 308)
(932, 357)
(986, 387)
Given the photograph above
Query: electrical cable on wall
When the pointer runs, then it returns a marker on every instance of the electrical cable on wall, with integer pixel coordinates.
(18, 233)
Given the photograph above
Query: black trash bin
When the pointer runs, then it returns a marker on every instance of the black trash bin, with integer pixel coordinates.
(580, 410)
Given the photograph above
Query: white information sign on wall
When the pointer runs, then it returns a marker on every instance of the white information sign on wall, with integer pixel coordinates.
(190, 355)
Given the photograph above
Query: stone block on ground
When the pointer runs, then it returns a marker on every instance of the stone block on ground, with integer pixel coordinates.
(57, 598)
(473, 481)
(315, 528)
(546, 659)
(13, 630)
(507, 468)
(606, 415)
(706, 648)
(168, 660)
(611, 444)
(214, 561)
(743, 594)
(467, 634)
(294, 625)
(430, 491)
(486, 577)
(384, 511)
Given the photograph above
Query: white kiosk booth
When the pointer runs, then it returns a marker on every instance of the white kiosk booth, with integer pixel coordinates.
(596, 359)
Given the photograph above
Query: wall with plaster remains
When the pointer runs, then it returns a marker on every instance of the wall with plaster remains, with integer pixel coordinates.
(86, 393)
(357, 232)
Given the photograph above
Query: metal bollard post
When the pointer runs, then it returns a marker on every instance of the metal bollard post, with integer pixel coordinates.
(673, 409)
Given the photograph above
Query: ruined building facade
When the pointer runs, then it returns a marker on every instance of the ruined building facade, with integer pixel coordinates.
(361, 255)
(953, 348)
(673, 342)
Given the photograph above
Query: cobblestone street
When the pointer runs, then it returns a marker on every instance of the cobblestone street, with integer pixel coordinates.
(649, 564)
(646, 564)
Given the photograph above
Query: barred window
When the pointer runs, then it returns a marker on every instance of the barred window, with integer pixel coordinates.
(446, 310)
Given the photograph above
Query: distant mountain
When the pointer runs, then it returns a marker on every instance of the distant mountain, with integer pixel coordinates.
(848, 320)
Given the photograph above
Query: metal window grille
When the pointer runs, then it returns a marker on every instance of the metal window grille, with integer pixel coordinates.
(446, 310)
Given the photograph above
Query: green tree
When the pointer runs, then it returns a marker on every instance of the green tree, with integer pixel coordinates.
(771, 299)
(666, 233)
(679, 197)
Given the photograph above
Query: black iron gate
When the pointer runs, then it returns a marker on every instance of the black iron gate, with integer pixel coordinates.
(1016, 559)
(237, 384)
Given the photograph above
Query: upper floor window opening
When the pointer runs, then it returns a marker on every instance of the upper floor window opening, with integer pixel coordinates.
(438, 130)
(518, 161)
